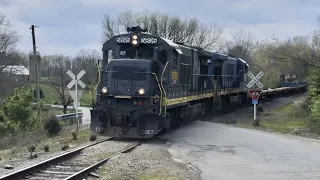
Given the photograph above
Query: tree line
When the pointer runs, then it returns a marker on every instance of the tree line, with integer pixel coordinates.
(299, 55)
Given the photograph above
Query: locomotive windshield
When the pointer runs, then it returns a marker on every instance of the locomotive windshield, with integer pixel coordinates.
(129, 73)
(141, 52)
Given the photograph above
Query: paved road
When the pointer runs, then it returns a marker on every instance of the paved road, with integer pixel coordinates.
(86, 113)
(231, 153)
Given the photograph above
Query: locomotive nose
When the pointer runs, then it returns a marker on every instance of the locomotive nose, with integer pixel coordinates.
(129, 77)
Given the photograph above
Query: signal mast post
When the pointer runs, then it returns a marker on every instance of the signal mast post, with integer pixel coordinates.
(76, 95)
(255, 93)
(254, 112)
(76, 106)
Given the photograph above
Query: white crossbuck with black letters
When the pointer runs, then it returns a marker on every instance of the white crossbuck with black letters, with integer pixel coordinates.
(75, 94)
(255, 80)
(76, 79)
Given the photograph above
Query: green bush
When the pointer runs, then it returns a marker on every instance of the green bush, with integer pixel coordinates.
(2, 117)
(52, 126)
(17, 109)
(6, 127)
(314, 99)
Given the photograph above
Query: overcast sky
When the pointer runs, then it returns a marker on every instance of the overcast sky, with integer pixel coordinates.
(66, 26)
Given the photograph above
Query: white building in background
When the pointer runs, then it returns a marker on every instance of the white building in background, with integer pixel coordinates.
(17, 72)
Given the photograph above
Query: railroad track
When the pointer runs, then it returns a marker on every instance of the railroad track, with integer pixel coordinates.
(65, 166)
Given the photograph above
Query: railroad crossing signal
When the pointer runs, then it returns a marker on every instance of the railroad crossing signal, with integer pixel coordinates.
(255, 80)
(76, 79)
(74, 94)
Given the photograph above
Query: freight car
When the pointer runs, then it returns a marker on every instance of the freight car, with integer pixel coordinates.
(148, 84)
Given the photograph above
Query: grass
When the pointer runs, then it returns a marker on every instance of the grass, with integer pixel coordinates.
(39, 139)
(51, 96)
(16, 146)
(284, 119)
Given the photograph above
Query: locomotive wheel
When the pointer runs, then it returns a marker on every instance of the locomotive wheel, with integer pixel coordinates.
(175, 118)
(168, 121)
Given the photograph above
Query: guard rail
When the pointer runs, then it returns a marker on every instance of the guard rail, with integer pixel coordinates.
(62, 117)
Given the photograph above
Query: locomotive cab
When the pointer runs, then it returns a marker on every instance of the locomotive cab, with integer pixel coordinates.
(131, 77)
(130, 89)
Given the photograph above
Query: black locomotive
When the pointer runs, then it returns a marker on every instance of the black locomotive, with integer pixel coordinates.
(149, 84)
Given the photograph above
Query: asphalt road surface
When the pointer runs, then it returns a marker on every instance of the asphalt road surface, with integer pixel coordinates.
(85, 110)
(223, 152)
(86, 118)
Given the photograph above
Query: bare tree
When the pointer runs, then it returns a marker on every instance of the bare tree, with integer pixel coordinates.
(241, 45)
(8, 56)
(8, 42)
(298, 50)
(60, 82)
(87, 60)
(297, 53)
(187, 31)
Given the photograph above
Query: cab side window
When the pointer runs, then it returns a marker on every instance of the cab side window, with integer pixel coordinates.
(163, 56)
(110, 54)
(175, 58)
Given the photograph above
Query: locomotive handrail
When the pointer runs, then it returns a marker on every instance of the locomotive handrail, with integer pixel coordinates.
(109, 71)
(165, 106)
(205, 75)
(160, 92)
(201, 75)
(99, 79)
(226, 76)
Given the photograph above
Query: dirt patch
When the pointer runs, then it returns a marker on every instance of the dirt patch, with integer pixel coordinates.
(147, 161)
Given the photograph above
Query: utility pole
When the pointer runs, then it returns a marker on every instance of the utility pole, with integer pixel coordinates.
(36, 63)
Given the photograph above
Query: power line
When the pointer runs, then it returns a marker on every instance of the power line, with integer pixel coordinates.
(68, 10)
(26, 45)
(90, 21)
(82, 2)
(45, 38)
(61, 13)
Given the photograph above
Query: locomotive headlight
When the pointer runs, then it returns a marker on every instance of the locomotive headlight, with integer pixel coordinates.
(134, 42)
(141, 91)
(104, 90)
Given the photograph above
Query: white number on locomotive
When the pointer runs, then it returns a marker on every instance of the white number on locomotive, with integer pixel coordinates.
(99, 129)
(148, 131)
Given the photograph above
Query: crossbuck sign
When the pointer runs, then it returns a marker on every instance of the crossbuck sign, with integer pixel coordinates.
(255, 93)
(255, 80)
(75, 81)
